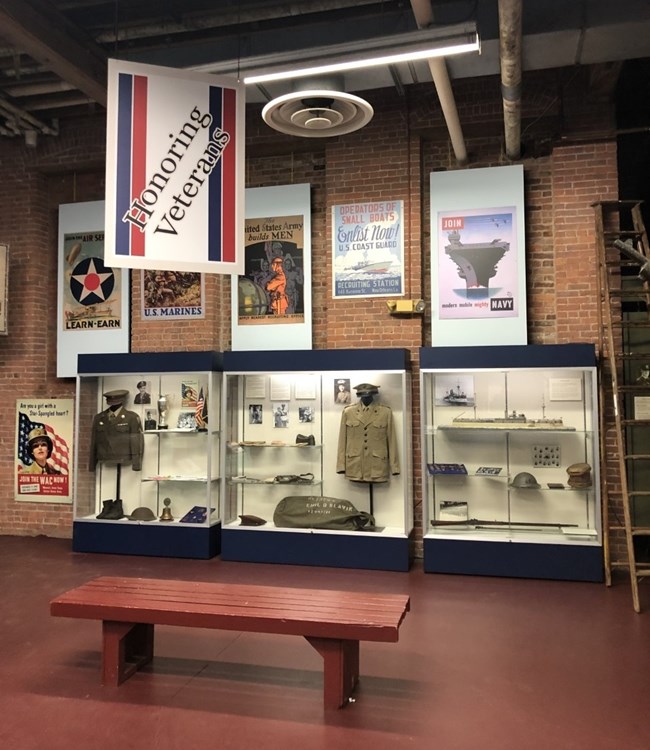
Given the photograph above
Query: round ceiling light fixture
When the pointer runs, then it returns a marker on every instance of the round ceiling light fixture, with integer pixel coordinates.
(317, 113)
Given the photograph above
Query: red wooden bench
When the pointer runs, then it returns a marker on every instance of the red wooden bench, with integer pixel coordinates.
(332, 621)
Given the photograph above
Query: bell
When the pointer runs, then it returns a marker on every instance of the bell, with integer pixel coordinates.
(167, 513)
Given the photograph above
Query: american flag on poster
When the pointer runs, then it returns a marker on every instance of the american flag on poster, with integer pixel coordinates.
(201, 411)
(175, 169)
(60, 457)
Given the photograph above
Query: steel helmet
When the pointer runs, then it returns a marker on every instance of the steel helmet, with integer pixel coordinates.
(525, 480)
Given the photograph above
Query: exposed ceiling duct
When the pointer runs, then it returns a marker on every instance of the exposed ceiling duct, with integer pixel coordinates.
(510, 60)
(423, 12)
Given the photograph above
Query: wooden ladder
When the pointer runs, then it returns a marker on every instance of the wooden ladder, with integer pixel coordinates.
(624, 388)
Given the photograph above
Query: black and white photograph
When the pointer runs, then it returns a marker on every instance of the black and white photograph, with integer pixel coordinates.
(280, 414)
(306, 413)
(255, 413)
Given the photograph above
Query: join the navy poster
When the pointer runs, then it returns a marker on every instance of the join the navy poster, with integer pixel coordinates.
(368, 249)
(175, 169)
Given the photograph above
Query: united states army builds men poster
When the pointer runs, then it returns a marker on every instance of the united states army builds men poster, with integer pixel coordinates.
(91, 293)
(272, 288)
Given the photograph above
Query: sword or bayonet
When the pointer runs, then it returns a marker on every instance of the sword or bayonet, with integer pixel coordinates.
(479, 523)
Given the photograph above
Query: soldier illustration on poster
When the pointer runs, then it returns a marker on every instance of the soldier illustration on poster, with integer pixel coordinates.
(172, 295)
(91, 293)
(272, 288)
(44, 450)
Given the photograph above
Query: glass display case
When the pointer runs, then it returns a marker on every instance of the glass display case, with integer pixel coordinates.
(510, 461)
(294, 488)
(148, 454)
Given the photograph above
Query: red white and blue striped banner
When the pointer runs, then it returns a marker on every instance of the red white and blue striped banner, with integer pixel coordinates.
(174, 170)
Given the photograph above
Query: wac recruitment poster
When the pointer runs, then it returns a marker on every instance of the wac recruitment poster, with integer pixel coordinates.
(44, 450)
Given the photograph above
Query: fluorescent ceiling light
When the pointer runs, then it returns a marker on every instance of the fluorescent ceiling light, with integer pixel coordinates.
(417, 45)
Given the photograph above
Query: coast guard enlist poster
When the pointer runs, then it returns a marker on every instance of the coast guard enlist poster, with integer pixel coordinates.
(174, 169)
(368, 249)
(478, 268)
(44, 450)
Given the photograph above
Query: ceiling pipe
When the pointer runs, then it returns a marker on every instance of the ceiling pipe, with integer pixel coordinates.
(510, 60)
(423, 13)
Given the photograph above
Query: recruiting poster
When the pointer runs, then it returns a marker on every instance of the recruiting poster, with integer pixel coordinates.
(44, 450)
(91, 291)
(172, 295)
(174, 169)
(477, 262)
(272, 289)
(271, 300)
(93, 298)
(368, 249)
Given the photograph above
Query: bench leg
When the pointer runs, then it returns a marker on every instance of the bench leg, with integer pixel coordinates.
(126, 646)
(340, 669)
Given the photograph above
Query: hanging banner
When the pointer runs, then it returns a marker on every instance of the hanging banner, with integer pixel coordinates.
(174, 169)
(44, 450)
(368, 249)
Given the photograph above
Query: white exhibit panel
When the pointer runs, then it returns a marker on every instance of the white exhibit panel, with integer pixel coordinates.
(93, 300)
(478, 257)
(271, 301)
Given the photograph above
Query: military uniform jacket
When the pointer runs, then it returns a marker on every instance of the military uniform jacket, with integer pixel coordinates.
(117, 438)
(367, 450)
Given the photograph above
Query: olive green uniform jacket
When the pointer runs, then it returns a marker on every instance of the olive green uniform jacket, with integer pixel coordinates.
(117, 438)
(367, 449)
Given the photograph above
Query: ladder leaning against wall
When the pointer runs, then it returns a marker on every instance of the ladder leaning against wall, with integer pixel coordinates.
(624, 389)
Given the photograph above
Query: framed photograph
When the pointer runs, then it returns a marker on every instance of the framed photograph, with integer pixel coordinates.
(186, 421)
(4, 253)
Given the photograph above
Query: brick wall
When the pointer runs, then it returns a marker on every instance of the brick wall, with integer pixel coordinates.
(565, 170)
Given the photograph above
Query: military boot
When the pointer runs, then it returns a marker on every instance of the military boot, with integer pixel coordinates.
(115, 512)
(106, 506)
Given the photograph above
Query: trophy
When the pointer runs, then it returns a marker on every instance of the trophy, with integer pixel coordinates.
(162, 412)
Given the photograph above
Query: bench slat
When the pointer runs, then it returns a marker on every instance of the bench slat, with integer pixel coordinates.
(271, 609)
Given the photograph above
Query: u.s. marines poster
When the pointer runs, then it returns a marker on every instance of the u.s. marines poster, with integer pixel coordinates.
(44, 450)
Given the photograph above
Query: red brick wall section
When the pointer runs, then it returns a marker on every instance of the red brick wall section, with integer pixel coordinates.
(390, 158)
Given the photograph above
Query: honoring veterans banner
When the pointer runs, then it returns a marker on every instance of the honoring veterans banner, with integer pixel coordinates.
(175, 169)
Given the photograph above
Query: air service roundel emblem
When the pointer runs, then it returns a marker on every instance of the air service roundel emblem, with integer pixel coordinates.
(91, 281)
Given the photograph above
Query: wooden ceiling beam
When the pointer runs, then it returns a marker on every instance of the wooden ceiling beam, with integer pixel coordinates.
(39, 30)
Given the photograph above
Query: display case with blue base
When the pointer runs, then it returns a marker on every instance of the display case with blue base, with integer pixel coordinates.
(510, 461)
(147, 454)
(291, 422)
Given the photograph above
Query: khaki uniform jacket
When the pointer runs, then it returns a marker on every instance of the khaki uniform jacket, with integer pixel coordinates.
(367, 450)
(117, 438)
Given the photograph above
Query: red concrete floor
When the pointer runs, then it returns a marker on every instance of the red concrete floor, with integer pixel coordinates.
(490, 663)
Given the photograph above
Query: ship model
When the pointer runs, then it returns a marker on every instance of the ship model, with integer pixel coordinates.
(510, 421)
(476, 261)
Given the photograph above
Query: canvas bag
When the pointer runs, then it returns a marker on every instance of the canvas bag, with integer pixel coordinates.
(315, 512)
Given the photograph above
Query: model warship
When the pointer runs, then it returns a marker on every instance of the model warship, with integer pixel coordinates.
(510, 421)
